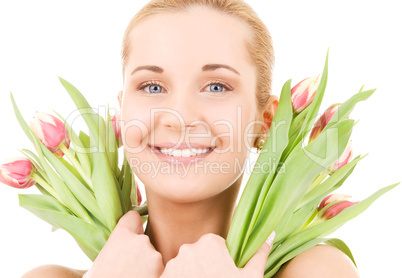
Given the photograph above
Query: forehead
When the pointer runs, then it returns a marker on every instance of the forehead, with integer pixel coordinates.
(199, 33)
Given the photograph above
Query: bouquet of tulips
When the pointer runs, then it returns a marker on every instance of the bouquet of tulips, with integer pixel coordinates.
(84, 191)
(291, 195)
(88, 192)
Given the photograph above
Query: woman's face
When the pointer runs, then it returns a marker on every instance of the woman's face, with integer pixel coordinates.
(188, 80)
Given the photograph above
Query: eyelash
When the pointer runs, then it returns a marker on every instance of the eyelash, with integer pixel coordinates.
(216, 82)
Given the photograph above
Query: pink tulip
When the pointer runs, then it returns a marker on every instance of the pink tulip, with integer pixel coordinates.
(335, 197)
(51, 132)
(16, 172)
(343, 159)
(321, 123)
(139, 197)
(117, 129)
(303, 93)
(333, 204)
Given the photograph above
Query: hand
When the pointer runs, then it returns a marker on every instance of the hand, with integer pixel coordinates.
(209, 257)
(127, 253)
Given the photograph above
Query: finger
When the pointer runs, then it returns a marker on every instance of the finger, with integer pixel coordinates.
(132, 220)
(257, 262)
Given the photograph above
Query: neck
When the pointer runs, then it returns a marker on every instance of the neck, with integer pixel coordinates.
(172, 224)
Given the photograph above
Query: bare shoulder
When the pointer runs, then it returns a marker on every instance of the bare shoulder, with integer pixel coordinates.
(321, 261)
(51, 270)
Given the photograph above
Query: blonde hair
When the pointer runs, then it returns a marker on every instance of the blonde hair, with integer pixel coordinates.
(260, 45)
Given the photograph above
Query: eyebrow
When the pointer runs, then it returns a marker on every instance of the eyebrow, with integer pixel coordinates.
(208, 67)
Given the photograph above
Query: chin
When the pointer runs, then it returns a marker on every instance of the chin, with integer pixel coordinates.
(183, 191)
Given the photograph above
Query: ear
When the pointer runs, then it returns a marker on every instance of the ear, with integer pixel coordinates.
(269, 114)
(119, 97)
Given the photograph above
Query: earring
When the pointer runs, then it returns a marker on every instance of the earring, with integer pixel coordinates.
(259, 143)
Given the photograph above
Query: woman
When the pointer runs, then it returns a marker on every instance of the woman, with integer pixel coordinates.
(196, 98)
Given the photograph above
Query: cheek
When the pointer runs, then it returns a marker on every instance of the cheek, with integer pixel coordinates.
(242, 126)
(134, 126)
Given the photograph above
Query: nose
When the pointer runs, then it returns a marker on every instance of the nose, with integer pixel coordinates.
(180, 111)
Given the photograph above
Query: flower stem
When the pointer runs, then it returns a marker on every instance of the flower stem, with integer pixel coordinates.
(76, 164)
(318, 180)
(47, 187)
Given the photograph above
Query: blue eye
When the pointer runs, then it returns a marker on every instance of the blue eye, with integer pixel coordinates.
(153, 88)
(217, 88)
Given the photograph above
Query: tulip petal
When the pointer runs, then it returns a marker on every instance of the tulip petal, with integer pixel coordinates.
(6, 179)
(312, 112)
(79, 147)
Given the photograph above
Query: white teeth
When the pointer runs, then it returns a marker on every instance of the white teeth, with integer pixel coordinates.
(184, 152)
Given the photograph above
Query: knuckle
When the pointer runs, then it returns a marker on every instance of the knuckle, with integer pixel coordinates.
(144, 239)
(211, 238)
(184, 248)
(130, 216)
(169, 265)
(157, 256)
(207, 237)
(122, 231)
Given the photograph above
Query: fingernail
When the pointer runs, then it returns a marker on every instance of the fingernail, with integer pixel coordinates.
(270, 239)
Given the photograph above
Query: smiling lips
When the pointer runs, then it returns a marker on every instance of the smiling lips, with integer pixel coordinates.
(182, 154)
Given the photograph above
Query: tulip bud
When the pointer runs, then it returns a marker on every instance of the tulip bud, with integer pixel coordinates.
(343, 159)
(333, 204)
(16, 172)
(117, 129)
(51, 132)
(303, 93)
(139, 197)
(332, 198)
(322, 122)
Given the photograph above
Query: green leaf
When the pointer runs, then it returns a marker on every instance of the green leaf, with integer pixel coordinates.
(332, 182)
(271, 269)
(59, 186)
(289, 187)
(43, 201)
(326, 227)
(86, 141)
(20, 119)
(111, 144)
(126, 189)
(347, 107)
(35, 161)
(271, 151)
(80, 191)
(295, 223)
(106, 187)
(89, 237)
(312, 111)
(79, 147)
(337, 243)
(297, 124)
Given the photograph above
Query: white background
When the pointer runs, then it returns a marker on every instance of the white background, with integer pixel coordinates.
(80, 41)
